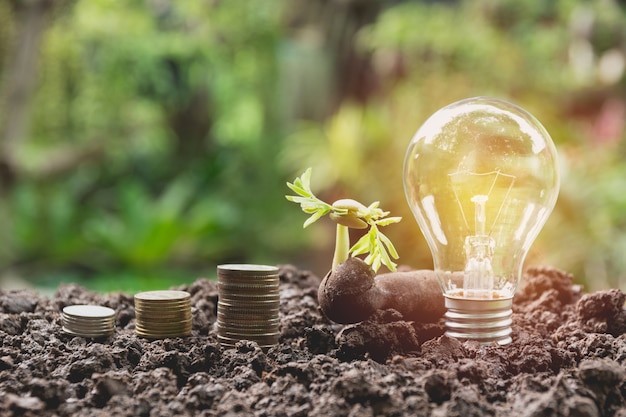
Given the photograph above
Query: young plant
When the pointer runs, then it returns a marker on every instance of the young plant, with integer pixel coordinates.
(348, 213)
(351, 291)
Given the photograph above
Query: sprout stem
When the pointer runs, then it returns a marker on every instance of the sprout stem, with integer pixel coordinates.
(342, 245)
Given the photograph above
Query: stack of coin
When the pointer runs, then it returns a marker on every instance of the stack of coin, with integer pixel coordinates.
(248, 304)
(88, 320)
(162, 314)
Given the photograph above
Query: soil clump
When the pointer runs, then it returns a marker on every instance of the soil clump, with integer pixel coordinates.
(568, 358)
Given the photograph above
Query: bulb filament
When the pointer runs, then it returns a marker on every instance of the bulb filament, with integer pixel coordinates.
(479, 279)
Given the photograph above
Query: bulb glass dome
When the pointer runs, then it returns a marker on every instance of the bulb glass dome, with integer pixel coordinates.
(481, 178)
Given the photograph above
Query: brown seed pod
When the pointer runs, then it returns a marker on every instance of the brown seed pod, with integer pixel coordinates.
(352, 292)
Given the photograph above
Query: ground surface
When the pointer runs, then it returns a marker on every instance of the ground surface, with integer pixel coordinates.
(568, 358)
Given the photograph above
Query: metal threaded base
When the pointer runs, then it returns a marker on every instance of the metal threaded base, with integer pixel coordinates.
(486, 321)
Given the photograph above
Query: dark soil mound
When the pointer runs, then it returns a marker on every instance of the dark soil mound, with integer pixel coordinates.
(567, 359)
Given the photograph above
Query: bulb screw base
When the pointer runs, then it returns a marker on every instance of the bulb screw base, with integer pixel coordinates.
(486, 321)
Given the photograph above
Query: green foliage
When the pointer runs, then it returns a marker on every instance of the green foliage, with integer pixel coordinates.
(141, 231)
(46, 224)
(172, 98)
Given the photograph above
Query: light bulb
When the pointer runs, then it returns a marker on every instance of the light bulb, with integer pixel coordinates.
(481, 178)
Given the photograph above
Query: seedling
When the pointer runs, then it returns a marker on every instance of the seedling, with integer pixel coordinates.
(348, 213)
(351, 291)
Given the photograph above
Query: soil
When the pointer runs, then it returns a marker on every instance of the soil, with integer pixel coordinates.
(567, 358)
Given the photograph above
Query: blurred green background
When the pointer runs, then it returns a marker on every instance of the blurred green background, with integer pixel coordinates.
(144, 142)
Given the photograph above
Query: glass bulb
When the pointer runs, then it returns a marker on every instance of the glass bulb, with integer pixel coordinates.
(481, 178)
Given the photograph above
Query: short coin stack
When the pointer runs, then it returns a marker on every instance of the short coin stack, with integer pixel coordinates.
(248, 304)
(162, 314)
(88, 320)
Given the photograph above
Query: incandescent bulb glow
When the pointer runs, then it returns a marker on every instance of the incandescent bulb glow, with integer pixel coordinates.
(481, 177)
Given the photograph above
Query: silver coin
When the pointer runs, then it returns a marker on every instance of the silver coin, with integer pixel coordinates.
(162, 308)
(152, 328)
(247, 333)
(163, 332)
(260, 304)
(248, 323)
(164, 317)
(164, 324)
(161, 303)
(247, 314)
(88, 318)
(248, 295)
(262, 313)
(162, 335)
(180, 330)
(267, 340)
(243, 324)
(240, 335)
(97, 325)
(238, 328)
(156, 321)
(88, 311)
(226, 318)
(162, 296)
(249, 303)
(87, 323)
(248, 279)
(272, 293)
(246, 269)
(89, 330)
(250, 331)
(93, 334)
(164, 312)
(253, 287)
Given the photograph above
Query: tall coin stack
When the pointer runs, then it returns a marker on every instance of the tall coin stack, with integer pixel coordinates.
(162, 314)
(88, 320)
(248, 304)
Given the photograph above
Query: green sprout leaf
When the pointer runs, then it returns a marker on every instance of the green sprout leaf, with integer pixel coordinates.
(349, 213)
(309, 203)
